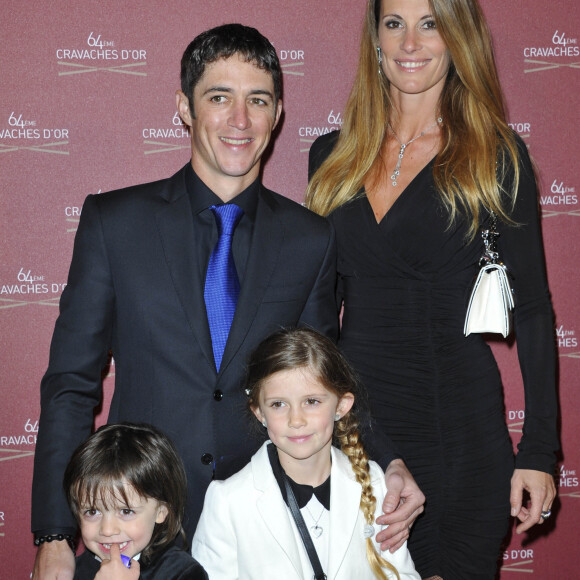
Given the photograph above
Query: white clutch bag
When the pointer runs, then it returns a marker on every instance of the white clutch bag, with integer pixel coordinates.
(491, 301)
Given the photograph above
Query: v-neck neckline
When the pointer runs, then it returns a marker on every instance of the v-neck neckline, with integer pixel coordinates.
(380, 222)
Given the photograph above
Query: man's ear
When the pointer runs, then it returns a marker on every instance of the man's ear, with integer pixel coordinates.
(278, 113)
(183, 108)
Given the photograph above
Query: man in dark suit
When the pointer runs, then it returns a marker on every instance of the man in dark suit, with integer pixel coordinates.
(137, 287)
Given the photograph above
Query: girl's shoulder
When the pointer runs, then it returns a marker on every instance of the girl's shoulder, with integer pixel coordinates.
(377, 474)
(257, 471)
(376, 471)
(234, 481)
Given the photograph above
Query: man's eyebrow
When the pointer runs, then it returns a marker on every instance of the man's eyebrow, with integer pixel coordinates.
(218, 89)
(262, 92)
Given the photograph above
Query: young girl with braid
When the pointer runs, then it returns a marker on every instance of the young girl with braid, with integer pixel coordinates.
(304, 393)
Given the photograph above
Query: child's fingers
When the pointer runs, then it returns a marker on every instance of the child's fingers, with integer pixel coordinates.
(115, 568)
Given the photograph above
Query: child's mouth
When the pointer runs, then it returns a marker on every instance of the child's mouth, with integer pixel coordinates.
(121, 545)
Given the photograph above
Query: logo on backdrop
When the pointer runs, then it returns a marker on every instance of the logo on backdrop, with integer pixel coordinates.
(29, 287)
(292, 62)
(568, 481)
(168, 138)
(21, 133)
(567, 342)
(26, 437)
(518, 560)
(72, 216)
(515, 420)
(561, 199)
(97, 53)
(2, 523)
(523, 129)
(308, 134)
(553, 54)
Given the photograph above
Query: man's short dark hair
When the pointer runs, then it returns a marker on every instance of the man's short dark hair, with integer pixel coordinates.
(223, 42)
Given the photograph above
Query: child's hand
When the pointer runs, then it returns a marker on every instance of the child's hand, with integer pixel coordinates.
(114, 569)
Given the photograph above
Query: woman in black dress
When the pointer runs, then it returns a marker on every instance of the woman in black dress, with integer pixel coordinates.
(424, 155)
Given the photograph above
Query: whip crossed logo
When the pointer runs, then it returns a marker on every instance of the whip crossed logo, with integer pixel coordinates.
(19, 129)
(562, 46)
(101, 50)
(152, 136)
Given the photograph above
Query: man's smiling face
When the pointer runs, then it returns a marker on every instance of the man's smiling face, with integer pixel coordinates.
(235, 113)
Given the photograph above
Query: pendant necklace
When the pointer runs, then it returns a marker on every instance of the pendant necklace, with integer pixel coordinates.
(316, 529)
(405, 145)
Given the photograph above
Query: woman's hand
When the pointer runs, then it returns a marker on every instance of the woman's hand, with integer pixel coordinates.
(540, 486)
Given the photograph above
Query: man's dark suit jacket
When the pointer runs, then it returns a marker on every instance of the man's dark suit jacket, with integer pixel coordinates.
(135, 290)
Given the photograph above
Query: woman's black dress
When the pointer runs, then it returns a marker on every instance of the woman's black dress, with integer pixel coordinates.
(405, 283)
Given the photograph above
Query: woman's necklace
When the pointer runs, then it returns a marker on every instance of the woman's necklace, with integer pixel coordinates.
(316, 529)
(405, 145)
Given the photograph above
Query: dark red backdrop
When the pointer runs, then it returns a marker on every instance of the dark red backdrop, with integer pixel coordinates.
(88, 105)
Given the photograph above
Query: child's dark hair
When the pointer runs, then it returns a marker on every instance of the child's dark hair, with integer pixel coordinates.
(305, 348)
(137, 454)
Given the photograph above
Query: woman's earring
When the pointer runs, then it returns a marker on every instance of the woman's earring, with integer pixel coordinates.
(264, 423)
(337, 417)
(380, 58)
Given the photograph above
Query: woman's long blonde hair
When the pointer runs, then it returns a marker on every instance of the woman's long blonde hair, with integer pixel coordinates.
(478, 147)
(304, 348)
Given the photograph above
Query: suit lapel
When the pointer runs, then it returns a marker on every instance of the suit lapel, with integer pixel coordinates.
(273, 510)
(267, 240)
(175, 224)
(345, 495)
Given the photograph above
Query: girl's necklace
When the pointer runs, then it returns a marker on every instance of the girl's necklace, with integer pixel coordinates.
(405, 145)
(316, 529)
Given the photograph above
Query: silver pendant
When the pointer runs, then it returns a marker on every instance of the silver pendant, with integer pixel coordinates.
(316, 531)
(398, 166)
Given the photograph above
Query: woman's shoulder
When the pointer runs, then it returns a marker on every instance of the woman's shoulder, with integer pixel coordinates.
(523, 153)
(325, 142)
(320, 150)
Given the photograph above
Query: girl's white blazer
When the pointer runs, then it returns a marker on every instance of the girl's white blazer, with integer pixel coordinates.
(247, 532)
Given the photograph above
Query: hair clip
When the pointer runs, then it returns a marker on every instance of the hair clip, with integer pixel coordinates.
(369, 531)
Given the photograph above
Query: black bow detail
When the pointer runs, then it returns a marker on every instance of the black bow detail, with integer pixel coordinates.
(302, 492)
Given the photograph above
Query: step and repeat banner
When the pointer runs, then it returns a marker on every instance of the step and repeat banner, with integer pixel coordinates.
(87, 105)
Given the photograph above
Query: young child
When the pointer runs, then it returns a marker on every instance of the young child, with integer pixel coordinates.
(304, 393)
(126, 486)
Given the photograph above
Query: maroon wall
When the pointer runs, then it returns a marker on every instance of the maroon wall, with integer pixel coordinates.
(88, 105)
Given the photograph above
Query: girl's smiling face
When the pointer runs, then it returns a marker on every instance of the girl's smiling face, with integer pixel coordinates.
(300, 412)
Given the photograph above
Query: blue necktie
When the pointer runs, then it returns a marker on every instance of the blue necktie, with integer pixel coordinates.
(222, 286)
